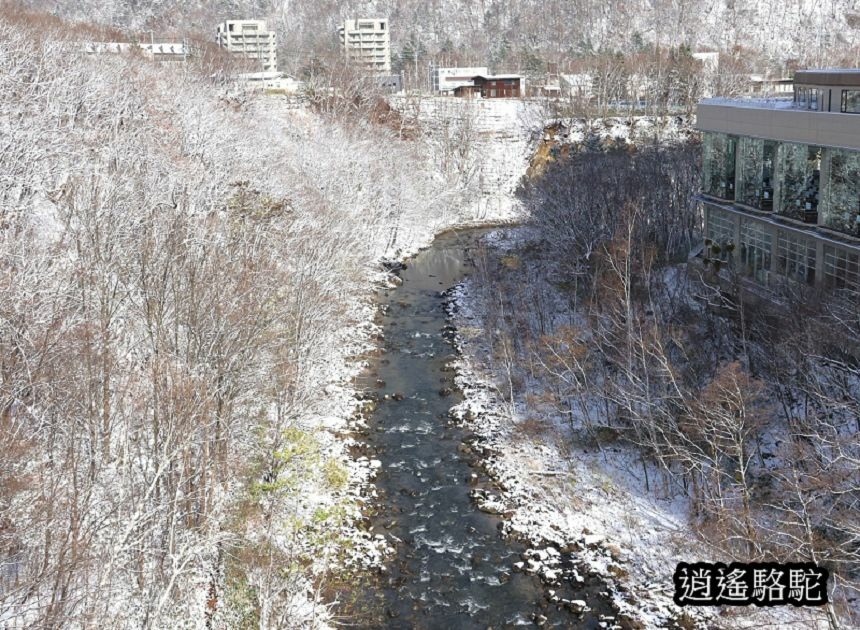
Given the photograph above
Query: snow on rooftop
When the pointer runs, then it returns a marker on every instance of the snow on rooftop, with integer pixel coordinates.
(757, 102)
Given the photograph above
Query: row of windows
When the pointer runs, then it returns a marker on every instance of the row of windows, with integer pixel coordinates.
(795, 257)
(755, 250)
(842, 271)
(808, 98)
(850, 102)
(785, 177)
(815, 99)
(795, 254)
(721, 234)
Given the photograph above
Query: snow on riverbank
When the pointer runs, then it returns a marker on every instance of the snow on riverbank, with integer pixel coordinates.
(483, 147)
(504, 148)
(565, 496)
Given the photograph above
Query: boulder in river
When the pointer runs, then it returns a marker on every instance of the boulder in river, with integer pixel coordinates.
(577, 605)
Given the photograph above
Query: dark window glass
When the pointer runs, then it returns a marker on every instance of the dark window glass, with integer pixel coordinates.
(800, 166)
(718, 165)
(795, 257)
(800, 97)
(842, 271)
(842, 211)
(851, 101)
(756, 176)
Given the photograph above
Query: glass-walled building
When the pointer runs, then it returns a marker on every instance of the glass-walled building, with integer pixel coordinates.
(781, 183)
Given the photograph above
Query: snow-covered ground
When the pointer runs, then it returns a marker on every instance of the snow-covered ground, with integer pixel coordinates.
(483, 145)
(500, 158)
(561, 494)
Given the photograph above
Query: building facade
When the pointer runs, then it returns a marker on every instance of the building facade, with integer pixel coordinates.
(162, 51)
(446, 80)
(367, 43)
(500, 85)
(781, 184)
(250, 39)
(270, 81)
(576, 86)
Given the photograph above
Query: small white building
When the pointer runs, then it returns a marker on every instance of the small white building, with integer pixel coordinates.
(367, 42)
(163, 51)
(276, 81)
(250, 39)
(710, 60)
(169, 51)
(446, 80)
(106, 48)
(760, 84)
(578, 86)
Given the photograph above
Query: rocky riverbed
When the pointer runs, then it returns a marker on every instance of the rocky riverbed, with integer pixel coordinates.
(452, 564)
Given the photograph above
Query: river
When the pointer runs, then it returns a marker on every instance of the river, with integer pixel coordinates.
(452, 569)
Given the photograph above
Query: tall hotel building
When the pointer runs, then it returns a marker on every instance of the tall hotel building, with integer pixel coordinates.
(250, 39)
(368, 43)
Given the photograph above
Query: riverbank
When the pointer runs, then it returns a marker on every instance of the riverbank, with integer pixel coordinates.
(451, 566)
(589, 503)
(481, 187)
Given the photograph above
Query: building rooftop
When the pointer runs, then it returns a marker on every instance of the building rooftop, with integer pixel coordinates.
(752, 102)
(849, 77)
(494, 77)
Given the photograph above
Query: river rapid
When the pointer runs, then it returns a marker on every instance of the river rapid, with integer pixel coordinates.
(452, 569)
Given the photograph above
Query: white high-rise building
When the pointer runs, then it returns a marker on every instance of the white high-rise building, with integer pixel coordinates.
(250, 39)
(367, 42)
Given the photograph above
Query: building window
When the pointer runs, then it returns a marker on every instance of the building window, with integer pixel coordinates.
(718, 165)
(720, 234)
(801, 97)
(795, 257)
(800, 166)
(850, 101)
(842, 210)
(755, 250)
(813, 98)
(756, 172)
(842, 271)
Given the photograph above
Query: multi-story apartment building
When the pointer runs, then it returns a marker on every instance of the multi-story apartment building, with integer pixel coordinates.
(368, 43)
(250, 39)
(781, 184)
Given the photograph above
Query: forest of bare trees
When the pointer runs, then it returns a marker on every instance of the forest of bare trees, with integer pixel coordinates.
(183, 268)
(750, 414)
(529, 36)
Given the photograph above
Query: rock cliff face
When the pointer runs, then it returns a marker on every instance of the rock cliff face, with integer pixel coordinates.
(483, 145)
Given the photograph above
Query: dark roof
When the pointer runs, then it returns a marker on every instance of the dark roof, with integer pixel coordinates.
(494, 77)
(830, 76)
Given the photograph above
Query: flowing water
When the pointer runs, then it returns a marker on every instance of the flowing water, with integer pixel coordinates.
(452, 569)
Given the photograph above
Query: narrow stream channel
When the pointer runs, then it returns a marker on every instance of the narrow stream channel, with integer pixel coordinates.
(452, 569)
